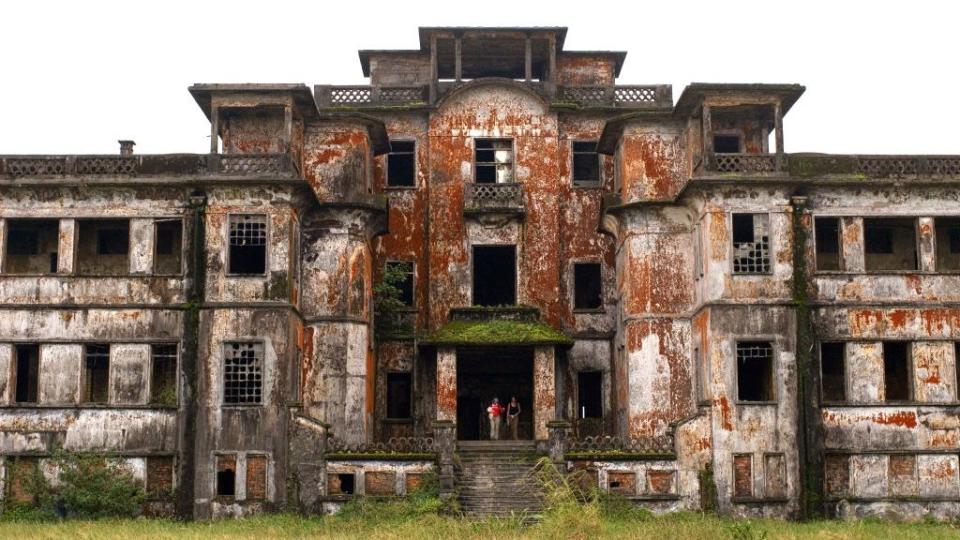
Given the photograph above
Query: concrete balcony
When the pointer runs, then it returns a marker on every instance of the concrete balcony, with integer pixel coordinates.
(813, 165)
(494, 199)
(233, 165)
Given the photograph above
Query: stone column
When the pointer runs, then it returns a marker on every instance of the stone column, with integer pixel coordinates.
(3, 240)
(447, 384)
(851, 243)
(445, 441)
(544, 392)
(557, 447)
(928, 256)
(68, 228)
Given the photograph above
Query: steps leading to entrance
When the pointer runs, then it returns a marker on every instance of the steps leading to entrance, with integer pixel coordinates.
(496, 478)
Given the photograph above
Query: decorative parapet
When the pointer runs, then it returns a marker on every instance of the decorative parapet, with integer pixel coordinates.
(329, 96)
(493, 198)
(812, 165)
(395, 448)
(623, 97)
(282, 165)
(613, 447)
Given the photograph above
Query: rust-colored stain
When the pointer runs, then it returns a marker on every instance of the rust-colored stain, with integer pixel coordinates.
(902, 419)
(724, 406)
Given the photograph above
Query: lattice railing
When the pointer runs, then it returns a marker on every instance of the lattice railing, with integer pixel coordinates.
(617, 96)
(30, 166)
(751, 163)
(369, 96)
(587, 95)
(494, 197)
(611, 443)
(106, 165)
(254, 164)
(395, 445)
(626, 95)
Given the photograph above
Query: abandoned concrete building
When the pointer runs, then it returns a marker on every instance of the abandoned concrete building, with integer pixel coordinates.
(688, 315)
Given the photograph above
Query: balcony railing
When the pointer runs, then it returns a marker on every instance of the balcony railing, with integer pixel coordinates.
(493, 198)
(149, 165)
(629, 97)
(808, 165)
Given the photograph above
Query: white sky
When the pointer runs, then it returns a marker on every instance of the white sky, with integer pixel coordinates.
(881, 77)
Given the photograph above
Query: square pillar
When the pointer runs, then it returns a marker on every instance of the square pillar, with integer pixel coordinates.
(447, 384)
(214, 130)
(65, 248)
(3, 242)
(851, 244)
(928, 255)
(544, 391)
(141, 246)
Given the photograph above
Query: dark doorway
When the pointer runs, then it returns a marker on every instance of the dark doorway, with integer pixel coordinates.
(484, 374)
(589, 394)
(494, 275)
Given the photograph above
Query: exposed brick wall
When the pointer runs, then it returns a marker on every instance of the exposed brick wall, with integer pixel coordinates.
(659, 482)
(622, 482)
(742, 476)
(380, 483)
(836, 470)
(159, 475)
(19, 471)
(256, 478)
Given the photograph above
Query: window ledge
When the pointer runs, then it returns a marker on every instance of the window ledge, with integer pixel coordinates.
(588, 186)
(117, 406)
(752, 403)
(757, 500)
(848, 404)
(396, 420)
(400, 188)
(242, 406)
(751, 274)
(590, 311)
(246, 276)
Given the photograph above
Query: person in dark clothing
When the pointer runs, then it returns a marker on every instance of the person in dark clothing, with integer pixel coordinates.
(513, 416)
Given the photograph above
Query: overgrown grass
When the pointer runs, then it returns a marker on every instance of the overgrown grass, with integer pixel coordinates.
(572, 512)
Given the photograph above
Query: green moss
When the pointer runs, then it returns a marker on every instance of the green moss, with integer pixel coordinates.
(620, 455)
(497, 332)
(806, 166)
(381, 456)
(278, 286)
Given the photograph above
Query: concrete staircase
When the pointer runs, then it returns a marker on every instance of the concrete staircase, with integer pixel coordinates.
(495, 478)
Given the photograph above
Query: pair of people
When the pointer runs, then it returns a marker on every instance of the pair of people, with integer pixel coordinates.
(496, 412)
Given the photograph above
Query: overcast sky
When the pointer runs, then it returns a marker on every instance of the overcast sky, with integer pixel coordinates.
(881, 77)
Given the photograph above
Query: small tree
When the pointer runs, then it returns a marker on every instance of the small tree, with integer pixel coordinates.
(387, 292)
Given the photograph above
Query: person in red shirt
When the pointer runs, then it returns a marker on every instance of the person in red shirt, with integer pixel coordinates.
(495, 411)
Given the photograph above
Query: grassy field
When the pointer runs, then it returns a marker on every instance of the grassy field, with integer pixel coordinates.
(376, 523)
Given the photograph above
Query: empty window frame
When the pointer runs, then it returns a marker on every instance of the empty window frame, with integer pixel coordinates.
(587, 286)
(243, 373)
(399, 393)
(751, 243)
(586, 164)
(248, 244)
(32, 246)
(168, 247)
(590, 394)
(103, 247)
(401, 164)
(896, 371)
(833, 374)
(827, 238)
(96, 373)
(755, 371)
(890, 244)
(27, 374)
(226, 475)
(726, 144)
(494, 275)
(163, 374)
(404, 271)
(494, 161)
(947, 230)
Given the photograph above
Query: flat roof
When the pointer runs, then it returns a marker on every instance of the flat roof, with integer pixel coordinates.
(302, 96)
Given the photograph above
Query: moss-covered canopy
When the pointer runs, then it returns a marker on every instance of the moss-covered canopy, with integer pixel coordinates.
(497, 332)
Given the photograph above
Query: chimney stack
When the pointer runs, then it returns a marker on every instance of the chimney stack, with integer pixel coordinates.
(126, 148)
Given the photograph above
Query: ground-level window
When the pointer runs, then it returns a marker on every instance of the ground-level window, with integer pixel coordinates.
(751, 244)
(27, 373)
(896, 371)
(248, 244)
(226, 475)
(827, 238)
(590, 394)
(401, 164)
(494, 161)
(587, 286)
(586, 164)
(833, 372)
(399, 392)
(32, 246)
(755, 371)
(890, 244)
(96, 374)
(163, 374)
(243, 373)
(948, 243)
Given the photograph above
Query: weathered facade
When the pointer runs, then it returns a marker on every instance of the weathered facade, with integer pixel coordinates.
(687, 314)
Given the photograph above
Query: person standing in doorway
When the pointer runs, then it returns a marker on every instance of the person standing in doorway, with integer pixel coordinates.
(494, 411)
(513, 416)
